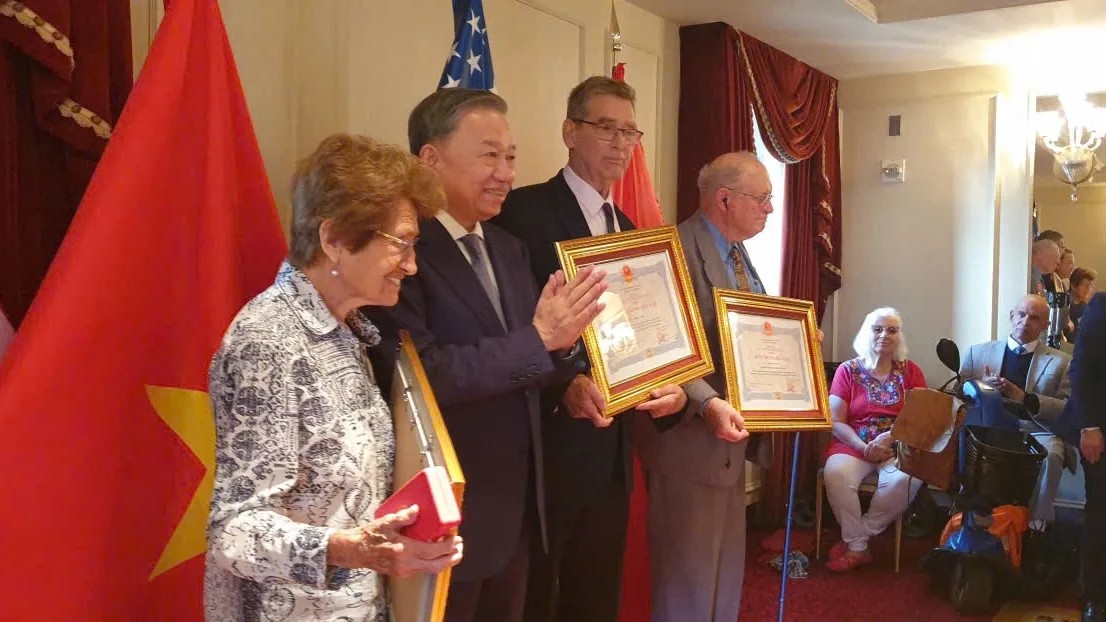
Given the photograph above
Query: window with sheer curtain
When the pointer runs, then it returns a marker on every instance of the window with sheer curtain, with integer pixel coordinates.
(766, 248)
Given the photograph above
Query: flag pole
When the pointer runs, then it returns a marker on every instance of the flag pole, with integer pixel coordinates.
(616, 39)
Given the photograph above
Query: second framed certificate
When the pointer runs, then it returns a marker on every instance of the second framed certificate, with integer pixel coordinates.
(773, 361)
(650, 333)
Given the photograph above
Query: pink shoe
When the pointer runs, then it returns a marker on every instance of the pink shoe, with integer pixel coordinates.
(838, 550)
(850, 560)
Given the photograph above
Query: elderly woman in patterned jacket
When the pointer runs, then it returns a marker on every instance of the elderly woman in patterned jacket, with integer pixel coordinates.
(868, 392)
(304, 440)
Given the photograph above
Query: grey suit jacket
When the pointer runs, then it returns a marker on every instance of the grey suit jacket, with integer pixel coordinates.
(1048, 373)
(1048, 378)
(690, 450)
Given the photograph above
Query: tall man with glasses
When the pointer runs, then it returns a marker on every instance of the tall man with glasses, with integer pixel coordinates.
(588, 457)
(696, 469)
(488, 342)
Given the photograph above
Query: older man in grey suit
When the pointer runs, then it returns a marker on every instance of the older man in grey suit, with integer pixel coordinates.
(1028, 371)
(696, 469)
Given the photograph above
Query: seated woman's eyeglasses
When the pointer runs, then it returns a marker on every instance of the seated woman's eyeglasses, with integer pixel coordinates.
(606, 132)
(890, 330)
(404, 246)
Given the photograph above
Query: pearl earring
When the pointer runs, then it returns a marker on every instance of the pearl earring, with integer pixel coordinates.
(334, 270)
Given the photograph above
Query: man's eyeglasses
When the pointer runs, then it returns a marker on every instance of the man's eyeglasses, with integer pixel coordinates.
(890, 330)
(606, 132)
(404, 246)
(761, 199)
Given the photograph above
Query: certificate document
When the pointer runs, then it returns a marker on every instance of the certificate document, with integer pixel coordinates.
(773, 363)
(641, 328)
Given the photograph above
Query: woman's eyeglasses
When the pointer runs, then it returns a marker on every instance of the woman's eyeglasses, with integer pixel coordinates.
(890, 330)
(404, 246)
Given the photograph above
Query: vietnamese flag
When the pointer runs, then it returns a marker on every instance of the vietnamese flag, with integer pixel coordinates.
(106, 435)
(634, 193)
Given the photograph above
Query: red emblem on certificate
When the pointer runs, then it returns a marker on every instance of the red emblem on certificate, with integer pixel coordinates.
(627, 273)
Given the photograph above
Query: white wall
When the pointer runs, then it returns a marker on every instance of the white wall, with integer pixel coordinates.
(949, 247)
(313, 68)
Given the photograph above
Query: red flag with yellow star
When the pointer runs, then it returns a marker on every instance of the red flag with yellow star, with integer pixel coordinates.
(106, 436)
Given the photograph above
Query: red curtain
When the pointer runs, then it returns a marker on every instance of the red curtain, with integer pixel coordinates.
(715, 112)
(796, 107)
(65, 73)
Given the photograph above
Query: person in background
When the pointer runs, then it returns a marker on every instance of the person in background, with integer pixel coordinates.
(1026, 370)
(1064, 270)
(1055, 236)
(1082, 289)
(867, 393)
(304, 444)
(1046, 258)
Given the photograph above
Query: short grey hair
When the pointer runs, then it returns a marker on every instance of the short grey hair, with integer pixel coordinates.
(722, 173)
(438, 114)
(1044, 244)
(864, 344)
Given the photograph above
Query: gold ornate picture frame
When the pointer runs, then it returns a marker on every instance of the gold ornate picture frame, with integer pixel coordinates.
(772, 361)
(421, 441)
(650, 333)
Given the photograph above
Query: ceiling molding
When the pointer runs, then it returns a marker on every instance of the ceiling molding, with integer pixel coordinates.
(893, 11)
(865, 8)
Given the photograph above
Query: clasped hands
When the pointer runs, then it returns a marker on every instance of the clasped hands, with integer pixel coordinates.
(879, 448)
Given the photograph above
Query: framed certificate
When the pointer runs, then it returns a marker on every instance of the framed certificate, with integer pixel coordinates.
(773, 361)
(421, 441)
(650, 332)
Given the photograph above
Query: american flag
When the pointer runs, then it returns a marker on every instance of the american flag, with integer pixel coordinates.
(470, 61)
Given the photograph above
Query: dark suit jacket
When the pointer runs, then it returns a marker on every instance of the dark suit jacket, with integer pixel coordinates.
(580, 459)
(1086, 407)
(485, 379)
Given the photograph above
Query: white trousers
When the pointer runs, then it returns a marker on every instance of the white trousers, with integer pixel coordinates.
(894, 492)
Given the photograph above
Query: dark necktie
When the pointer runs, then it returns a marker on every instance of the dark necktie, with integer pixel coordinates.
(475, 246)
(608, 217)
(739, 270)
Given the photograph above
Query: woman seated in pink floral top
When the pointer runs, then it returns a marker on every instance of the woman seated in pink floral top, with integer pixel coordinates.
(866, 396)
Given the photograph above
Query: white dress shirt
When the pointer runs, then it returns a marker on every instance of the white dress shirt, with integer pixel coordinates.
(1012, 345)
(458, 231)
(590, 201)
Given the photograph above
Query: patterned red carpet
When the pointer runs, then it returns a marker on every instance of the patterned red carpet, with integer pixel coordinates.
(872, 592)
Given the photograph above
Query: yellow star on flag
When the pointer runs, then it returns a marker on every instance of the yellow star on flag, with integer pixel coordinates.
(188, 413)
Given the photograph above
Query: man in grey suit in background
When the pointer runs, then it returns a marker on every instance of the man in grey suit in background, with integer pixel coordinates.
(1026, 370)
(696, 469)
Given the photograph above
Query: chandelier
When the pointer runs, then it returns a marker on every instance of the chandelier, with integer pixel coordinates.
(1074, 149)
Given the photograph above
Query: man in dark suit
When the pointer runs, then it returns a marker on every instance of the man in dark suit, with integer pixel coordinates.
(487, 342)
(588, 458)
(696, 470)
(1082, 423)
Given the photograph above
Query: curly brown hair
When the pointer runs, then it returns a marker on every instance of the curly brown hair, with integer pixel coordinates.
(355, 182)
